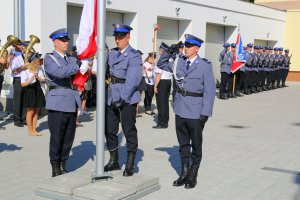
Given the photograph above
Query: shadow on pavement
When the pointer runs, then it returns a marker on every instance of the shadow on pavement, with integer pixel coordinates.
(237, 126)
(10, 147)
(82, 153)
(42, 126)
(174, 158)
(286, 171)
(86, 118)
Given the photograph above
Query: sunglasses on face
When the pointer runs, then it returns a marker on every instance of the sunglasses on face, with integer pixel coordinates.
(63, 39)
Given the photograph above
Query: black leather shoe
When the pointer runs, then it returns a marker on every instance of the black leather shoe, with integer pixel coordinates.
(192, 179)
(185, 171)
(113, 163)
(223, 97)
(238, 94)
(55, 169)
(19, 125)
(129, 168)
(63, 167)
(159, 127)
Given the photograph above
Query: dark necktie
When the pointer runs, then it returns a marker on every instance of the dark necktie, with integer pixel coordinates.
(65, 57)
(119, 54)
(187, 65)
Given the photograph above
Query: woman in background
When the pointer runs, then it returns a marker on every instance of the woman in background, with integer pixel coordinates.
(148, 75)
(34, 98)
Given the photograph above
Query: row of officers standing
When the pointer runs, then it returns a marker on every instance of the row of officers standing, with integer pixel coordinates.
(266, 68)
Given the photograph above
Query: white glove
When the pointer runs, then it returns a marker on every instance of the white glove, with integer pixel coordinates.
(84, 66)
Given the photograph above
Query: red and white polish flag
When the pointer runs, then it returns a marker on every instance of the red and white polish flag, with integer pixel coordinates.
(86, 42)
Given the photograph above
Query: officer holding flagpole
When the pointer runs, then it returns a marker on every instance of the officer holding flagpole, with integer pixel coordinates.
(125, 70)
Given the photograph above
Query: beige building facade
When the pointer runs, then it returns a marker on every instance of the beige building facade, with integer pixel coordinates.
(292, 29)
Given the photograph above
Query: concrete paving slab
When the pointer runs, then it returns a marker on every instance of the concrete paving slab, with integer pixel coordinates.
(62, 187)
(104, 190)
(141, 182)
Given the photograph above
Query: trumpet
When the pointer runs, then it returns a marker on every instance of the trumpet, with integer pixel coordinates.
(11, 40)
(33, 40)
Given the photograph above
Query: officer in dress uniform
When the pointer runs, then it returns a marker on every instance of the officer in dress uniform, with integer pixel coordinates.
(264, 59)
(276, 67)
(259, 67)
(162, 90)
(193, 103)
(226, 61)
(248, 69)
(286, 64)
(280, 67)
(236, 93)
(125, 70)
(255, 69)
(271, 68)
(62, 101)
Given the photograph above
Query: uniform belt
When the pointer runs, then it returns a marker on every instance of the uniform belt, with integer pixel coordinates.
(114, 80)
(187, 93)
(59, 87)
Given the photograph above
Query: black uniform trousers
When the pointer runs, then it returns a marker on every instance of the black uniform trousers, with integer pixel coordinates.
(237, 81)
(149, 93)
(247, 79)
(128, 120)
(270, 78)
(189, 134)
(224, 82)
(162, 102)
(242, 78)
(1, 82)
(286, 72)
(62, 126)
(18, 98)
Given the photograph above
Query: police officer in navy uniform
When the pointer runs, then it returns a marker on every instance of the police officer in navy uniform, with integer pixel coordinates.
(248, 69)
(226, 61)
(286, 63)
(192, 104)
(125, 70)
(62, 101)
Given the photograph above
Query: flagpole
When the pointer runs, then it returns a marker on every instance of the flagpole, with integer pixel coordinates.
(100, 111)
(233, 85)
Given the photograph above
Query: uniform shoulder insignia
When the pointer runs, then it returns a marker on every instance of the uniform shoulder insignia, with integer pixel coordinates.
(205, 60)
(134, 51)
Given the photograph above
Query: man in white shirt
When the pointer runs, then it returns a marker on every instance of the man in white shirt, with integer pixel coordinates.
(162, 90)
(17, 65)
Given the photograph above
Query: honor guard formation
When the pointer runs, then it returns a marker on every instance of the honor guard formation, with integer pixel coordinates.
(266, 68)
(179, 71)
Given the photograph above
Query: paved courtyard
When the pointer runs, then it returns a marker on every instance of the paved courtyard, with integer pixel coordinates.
(251, 151)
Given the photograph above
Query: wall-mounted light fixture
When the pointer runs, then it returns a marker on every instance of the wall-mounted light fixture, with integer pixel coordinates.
(108, 2)
(268, 35)
(224, 19)
(177, 11)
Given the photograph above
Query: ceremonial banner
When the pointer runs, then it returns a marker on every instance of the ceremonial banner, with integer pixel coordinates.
(86, 41)
(239, 59)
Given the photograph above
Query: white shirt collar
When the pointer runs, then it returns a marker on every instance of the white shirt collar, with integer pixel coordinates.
(124, 49)
(60, 54)
(193, 59)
